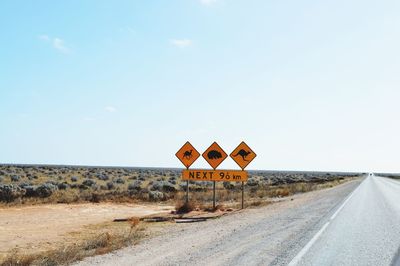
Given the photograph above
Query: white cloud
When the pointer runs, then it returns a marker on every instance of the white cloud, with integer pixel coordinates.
(110, 109)
(207, 2)
(182, 43)
(57, 43)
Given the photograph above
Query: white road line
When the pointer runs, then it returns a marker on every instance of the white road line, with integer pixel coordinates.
(344, 203)
(304, 250)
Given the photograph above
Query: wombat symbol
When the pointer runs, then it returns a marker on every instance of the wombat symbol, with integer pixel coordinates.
(213, 154)
(188, 155)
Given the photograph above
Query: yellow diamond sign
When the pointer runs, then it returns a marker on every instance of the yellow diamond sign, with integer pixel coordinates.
(187, 154)
(243, 155)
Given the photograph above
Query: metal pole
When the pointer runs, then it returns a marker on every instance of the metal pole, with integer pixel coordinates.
(187, 191)
(242, 195)
(242, 192)
(214, 195)
(187, 188)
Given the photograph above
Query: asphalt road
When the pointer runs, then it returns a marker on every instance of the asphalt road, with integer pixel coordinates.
(350, 224)
(364, 231)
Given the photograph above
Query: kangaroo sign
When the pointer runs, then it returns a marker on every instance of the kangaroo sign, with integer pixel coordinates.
(187, 154)
(214, 155)
(243, 155)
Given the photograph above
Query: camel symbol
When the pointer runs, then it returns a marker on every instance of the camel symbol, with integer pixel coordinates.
(187, 155)
(213, 154)
(243, 154)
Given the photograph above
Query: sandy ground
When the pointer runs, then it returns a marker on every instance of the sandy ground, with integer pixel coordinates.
(37, 227)
(269, 235)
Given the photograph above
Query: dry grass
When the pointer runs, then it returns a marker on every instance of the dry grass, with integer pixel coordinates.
(182, 207)
(254, 196)
(116, 237)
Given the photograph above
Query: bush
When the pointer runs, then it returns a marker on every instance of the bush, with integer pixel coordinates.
(252, 182)
(163, 186)
(88, 182)
(63, 185)
(228, 185)
(168, 187)
(102, 177)
(74, 179)
(15, 178)
(30, 191)
(45, 190)
(110, 185)
(185, 207)
(9, 193)
(156, 196)
(119, 180)
(136, 186)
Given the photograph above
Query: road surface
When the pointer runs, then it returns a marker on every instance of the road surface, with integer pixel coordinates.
(365, 231)
(351, 224)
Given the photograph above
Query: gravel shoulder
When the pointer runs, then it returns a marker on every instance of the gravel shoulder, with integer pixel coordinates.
(266, 235)
(39, 228)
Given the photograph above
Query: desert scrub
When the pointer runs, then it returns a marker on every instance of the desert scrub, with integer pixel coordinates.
(114, 237)
(53, 184)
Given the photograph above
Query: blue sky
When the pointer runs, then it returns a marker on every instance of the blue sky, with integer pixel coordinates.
(309, 85)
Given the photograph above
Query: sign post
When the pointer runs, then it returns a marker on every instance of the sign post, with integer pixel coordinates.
(214, 155)
(187, 155)
(243, 155)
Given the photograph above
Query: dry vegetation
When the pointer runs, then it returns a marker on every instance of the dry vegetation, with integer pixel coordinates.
(66, 184)
(94, 240)
(393, 176)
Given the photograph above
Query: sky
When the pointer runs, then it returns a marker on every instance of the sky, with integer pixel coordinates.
(308, 85)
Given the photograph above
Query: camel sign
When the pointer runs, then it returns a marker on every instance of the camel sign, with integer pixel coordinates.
(214, 155)
(243, 155)
(187, 154)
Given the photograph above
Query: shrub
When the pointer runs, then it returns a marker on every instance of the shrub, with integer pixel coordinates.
(163, 186)
(119, 180)
(25, 184)
(45, 190)
(184, 207)
(168, 187)
(136, 186)
(228, 185)
(15, 178)
(30, 191)
(110, 185)
(9, 193)
(74, 178)
(102, 177)
(252, 182)
(63, 185)
(156, 196)
(88, 182)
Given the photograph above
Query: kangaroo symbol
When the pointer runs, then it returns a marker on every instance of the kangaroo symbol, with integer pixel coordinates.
(242, 153)
(213, 154)
(188, 155)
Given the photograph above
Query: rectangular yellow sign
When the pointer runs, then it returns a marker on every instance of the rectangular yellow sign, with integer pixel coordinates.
(214, 175)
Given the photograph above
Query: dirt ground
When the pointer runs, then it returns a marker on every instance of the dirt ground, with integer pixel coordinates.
(40, 227)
